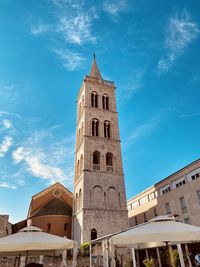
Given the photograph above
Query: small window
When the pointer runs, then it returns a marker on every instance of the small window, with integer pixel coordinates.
(187, 220)
(198, 195)
(65, 227)
(197, 175)
(105, 102)
(48, 227)
(155, 212)
(96, 161)
(109, 162)
(95, 127)
(183, 205)
(94, 100)
(93, 234)
(193, 177)
(145, 217)
(106, 129)
(167, 208)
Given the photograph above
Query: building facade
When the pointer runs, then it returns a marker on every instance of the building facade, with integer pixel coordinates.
(5, 226)
(178, 194)
(99, 190)
(50, 210)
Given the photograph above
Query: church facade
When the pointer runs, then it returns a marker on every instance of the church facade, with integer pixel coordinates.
(99, 190)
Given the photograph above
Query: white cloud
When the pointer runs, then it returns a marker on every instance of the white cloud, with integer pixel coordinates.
(7, 124)
(70, 60)
(77, 29)
(45, 158)
(35, 164)
(113, 8)
(181, 31)
(7, 185)
(5, 145)
(40, 28)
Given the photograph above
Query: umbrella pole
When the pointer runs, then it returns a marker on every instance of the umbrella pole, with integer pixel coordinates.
(18, 260)
(26, 258)
(158, 256)
(90, 255)
(180, 253)
(133, 257)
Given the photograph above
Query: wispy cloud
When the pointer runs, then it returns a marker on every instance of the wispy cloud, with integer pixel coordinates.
(7, 124)
(134, 82)
(7, 185)
(70, 60)
(33, 157)
(76, 30)
(181, 31)
(5, 145)
(39, 28)
(143, 129)
(34, 164)
(113, 8)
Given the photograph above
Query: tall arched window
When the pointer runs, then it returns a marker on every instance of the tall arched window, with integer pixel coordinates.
(94, 99)
(106, 129)
(77, 207)
(109, 162)
(80, 199)
(48, 227)
(95, 127)
(81, 164)
(105, 102)
(93, 234)
(96, 161)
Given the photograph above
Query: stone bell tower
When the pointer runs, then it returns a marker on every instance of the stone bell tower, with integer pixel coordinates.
(99, 190)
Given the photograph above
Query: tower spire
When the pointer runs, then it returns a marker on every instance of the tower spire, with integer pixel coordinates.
(95, 72)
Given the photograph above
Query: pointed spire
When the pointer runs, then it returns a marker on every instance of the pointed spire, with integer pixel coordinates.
(95, 72)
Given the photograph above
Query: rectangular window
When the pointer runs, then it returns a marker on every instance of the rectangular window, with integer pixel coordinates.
(145, 217)
(187, 220)
(167, 208)
(136, 221)
(198, 195)
(155, 212)
(183, 205)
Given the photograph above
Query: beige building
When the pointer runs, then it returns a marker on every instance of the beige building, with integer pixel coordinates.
(177, 194)
(5, 226)
(99, 190)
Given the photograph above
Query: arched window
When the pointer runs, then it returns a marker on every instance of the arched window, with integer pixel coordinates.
(105, 102)
(78, 167)
(95, 127)
(94, 99)
(109, 162)
(81, 163)
(48, 227)
(77, 208)
(96, 161)
(65, 227)
(106, 129)
(80, 199)
(93, 234)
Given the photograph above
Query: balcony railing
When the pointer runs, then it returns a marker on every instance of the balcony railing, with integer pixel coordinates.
(96, 167)
(109, 168)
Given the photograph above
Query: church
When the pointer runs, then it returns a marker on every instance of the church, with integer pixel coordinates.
(98, 205)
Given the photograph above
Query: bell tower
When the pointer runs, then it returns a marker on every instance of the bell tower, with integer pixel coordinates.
(99, 190)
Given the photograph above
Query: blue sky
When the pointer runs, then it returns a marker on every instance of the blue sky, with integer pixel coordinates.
(149, 48)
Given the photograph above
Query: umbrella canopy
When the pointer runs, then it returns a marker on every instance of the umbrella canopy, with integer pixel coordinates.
(33, 239)
(157, 232)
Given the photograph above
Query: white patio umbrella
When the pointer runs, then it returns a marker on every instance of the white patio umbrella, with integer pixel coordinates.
(31, 240)
(159, 231)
